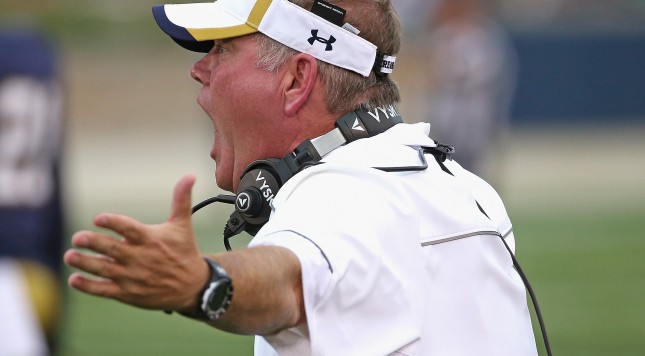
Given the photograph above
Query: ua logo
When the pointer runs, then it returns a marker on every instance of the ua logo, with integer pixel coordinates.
(314, 37)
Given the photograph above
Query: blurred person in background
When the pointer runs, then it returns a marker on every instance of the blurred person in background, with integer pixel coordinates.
(471, 70)
(415, 16)
(31, 216)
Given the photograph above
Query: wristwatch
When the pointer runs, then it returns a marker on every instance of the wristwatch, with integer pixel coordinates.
(216, 295)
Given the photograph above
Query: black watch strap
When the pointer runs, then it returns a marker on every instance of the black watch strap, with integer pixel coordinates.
(216, 295)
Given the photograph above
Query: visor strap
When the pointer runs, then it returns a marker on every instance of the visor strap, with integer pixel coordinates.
(383, 64)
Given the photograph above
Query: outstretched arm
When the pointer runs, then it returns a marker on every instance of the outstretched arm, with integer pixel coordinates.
(267, 290)
(160, 267)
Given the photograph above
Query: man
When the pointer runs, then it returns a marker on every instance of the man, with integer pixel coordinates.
(401, 259)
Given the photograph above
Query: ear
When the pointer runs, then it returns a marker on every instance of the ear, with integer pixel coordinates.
(298, 82)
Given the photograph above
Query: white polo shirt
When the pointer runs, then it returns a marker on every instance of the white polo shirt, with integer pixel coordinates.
(407, 263)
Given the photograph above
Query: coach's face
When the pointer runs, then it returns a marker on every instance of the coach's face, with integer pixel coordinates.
(242, 101)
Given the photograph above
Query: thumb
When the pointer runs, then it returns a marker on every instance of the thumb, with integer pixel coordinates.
(182, 199)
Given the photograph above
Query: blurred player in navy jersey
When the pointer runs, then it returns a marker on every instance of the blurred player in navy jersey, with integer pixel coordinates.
(31, 214)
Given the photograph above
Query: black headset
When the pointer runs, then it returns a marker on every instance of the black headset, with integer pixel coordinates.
(262, 179)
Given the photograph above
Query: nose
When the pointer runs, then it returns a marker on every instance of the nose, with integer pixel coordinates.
(199, 71)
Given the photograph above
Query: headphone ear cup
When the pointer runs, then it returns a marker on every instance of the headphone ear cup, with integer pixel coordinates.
(249, 202)
(263, 179)
(258, 186)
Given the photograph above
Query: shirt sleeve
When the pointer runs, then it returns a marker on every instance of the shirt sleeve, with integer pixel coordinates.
(315, 268)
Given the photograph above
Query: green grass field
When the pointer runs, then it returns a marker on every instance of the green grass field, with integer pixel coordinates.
(588, 274)
(586, 268)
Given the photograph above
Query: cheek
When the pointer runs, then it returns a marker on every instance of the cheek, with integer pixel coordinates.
(242, 82)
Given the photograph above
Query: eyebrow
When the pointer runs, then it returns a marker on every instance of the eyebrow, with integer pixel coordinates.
(222, 41)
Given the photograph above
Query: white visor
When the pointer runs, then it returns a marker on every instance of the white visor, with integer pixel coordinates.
(195, 26)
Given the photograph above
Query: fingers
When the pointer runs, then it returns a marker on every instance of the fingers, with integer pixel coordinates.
(107, 270)
(94, 286)
(182, 199)
(131, 229)
(103, 244)
(98, 265)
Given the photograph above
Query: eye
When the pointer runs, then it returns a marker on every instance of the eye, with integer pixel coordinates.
(217, 48)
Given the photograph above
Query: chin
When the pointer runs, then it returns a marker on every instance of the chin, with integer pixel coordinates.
(222, 183)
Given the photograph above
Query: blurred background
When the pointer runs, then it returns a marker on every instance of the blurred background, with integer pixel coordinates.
(546, 99)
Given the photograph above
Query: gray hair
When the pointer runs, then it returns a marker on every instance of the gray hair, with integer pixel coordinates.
(346, 90)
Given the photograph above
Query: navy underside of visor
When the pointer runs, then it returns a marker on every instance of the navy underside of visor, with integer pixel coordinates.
(196, 46)
(178, 33)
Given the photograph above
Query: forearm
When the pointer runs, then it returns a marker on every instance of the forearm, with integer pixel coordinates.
(267, 290)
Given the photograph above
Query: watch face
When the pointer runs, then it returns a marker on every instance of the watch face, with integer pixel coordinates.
(219, 297)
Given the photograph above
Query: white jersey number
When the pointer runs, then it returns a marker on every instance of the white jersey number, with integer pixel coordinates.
(30, 132)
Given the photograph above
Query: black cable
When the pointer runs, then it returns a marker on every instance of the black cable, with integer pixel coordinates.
(223, 198)
(227, 244)
(538, 313)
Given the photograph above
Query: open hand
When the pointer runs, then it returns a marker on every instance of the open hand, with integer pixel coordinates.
(150, 266)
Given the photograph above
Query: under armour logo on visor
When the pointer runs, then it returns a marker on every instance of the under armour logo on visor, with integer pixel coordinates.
(328, 42)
